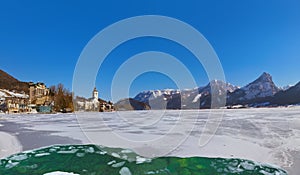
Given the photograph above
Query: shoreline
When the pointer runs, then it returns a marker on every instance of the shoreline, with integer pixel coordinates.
(225, 108)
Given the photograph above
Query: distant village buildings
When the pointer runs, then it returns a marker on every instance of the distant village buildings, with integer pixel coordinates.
(12, 102)
(39, 99)
(94, 103)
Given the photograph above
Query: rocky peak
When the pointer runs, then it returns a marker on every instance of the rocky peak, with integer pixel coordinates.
(263, 86)
(221, 85)
(265, 77)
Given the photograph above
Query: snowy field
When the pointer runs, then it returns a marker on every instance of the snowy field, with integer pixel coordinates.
(265, 135)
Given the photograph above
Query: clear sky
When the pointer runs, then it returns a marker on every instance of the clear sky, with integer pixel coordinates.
(42, 40)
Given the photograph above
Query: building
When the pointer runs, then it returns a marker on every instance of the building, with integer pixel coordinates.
(39, 98)
(36, 91)
(95, 94)
(93, 104)
(44, 109)
(106, 106)
(39, 94)
(13, 102)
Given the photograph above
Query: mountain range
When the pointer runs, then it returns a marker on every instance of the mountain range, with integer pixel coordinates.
(262, 92)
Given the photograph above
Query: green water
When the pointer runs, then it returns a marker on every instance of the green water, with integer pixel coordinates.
(91, 159)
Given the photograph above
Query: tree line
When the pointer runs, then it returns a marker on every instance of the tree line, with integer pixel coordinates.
(62, 98)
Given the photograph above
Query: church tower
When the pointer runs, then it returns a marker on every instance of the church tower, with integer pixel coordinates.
(95, 94)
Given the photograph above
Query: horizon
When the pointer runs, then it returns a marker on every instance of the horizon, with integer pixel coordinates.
(43, 41)
(203, 85)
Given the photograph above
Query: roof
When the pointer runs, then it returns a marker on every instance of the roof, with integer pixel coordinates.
(6, 93)
(95, 90)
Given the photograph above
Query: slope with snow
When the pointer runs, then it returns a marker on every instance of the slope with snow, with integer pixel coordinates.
(152, 94)
(6, 93)
(257, 91)
(288, 97)
(260, 92)
(185, 99)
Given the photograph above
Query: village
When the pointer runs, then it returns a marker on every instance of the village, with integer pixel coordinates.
(41, 99)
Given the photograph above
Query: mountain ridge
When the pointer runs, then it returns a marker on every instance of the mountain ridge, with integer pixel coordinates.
(255, 92)
(260, 92)
(288, 97)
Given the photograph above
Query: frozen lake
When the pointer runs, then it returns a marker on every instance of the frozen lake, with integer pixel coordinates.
(264, 135)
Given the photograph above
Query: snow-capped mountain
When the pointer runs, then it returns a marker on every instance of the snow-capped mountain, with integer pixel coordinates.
(217, 88)
(220, 86)
(185, 99)
(159, 99)
(284, 88)
(288, 97)
(256, 91)
(260, 92)
(153, 94)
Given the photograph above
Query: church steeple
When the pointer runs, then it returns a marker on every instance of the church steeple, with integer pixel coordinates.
(95, 94)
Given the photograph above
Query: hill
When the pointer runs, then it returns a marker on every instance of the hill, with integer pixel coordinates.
(288, 97)
(130, 104)
(10, 83)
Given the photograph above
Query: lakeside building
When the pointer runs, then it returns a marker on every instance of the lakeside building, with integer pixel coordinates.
(38, 100)
(106, 106)
(38, 92)
(13, 102)
(39, 97)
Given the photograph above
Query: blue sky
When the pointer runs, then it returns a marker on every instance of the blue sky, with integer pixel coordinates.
(42, 40)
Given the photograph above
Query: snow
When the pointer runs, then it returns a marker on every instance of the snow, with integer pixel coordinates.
(117, 165)
(6, 93)
(9, 144)
(60, 173)
(196, 93)
(125, 171)
(260, 88)
(3, 94)
(140, 160)
(286, 87)
(146, 96)
(269, 135)
(197, 98)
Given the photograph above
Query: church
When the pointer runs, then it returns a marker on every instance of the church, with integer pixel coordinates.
(94, 103)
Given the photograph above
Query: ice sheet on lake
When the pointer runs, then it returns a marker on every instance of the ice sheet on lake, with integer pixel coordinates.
(263, 135)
